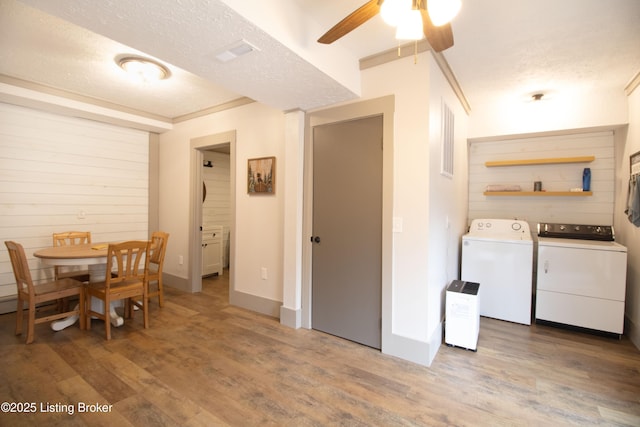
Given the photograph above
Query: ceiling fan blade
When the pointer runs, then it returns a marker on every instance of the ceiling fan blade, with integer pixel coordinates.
(351, 22)
(440, 38)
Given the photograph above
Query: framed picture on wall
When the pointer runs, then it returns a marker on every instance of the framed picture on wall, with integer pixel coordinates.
(261, 176)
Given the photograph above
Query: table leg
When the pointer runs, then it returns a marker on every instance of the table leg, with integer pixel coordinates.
(97, 273)
(58, 325)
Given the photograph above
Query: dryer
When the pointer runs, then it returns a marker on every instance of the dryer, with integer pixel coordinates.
(498, 254)
(581, 278)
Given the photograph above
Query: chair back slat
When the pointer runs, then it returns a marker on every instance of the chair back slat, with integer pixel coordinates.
(158, 247)
(157, 250)
(71, 238)
(20, 266)
(34, 296)
(125, 259)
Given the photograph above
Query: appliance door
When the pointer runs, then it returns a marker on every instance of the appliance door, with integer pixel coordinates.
(581, 286)
(504, 271)
(578, 271)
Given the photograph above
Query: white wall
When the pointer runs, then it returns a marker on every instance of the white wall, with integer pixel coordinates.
(627, 233)
(585, 108)
(447, 202)
(590, 108)
(216, 209)
(596, 209)
(409, 83)
(258, 219)
(425, 253)
(61, 173)
(417, 301)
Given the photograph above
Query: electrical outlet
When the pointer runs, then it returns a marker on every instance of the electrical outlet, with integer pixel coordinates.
(180, 259)
(263, 273)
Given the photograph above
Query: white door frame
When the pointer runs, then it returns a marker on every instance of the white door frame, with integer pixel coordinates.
(198, 145)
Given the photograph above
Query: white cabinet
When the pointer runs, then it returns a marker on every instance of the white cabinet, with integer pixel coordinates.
(212, 250)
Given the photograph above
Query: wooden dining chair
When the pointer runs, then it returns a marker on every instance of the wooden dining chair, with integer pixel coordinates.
(35, 295)
(157, 250)
(71, 238)
(129, 264)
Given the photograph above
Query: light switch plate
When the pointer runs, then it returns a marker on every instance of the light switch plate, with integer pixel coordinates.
(397, 224)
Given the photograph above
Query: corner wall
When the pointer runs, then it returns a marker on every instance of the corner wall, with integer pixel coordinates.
(595, 109)
(430, 206)
(447, 202)
(626, 233)
(258, 218)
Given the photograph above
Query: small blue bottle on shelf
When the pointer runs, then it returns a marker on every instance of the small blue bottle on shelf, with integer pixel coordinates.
(586, 179)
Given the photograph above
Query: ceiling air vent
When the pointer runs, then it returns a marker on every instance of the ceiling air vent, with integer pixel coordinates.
(235, 50)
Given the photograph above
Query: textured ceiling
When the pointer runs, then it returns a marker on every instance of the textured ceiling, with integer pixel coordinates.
(40, 48)
(512, 49)
(502, 49)
(43, 48)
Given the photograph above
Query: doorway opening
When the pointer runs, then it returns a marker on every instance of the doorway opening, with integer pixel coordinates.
(212, 209)
(216, 210)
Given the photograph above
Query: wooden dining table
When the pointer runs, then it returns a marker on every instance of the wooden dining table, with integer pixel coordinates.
(93, 255)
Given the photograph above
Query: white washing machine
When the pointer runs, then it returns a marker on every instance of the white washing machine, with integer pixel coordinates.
(498, 254)
(581, 277)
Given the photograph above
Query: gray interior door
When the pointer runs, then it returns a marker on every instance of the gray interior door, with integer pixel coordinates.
(347, 230)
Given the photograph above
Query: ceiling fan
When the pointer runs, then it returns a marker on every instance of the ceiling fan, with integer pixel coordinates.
(439, 37)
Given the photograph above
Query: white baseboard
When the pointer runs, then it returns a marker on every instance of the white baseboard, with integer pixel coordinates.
(290, 317)
(255, 303)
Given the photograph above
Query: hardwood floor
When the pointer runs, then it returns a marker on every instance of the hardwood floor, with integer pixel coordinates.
(205, 363)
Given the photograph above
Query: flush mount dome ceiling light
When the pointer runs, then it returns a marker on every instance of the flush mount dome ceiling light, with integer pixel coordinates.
(143, 69)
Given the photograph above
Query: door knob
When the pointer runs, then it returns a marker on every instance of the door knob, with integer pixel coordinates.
(315, 239)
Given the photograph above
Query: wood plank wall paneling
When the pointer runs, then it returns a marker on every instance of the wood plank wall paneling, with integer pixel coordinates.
(217, 209)
(55, 168)
(597, 209)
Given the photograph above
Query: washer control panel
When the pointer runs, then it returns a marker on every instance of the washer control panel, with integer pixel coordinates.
(499, 226)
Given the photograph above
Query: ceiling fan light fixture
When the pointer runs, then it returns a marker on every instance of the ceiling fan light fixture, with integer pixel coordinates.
(391, 11)
(143, 69)
(410, 26)
(443, 11)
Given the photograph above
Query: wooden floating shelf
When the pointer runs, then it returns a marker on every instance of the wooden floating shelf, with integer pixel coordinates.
(540, 193)
(549, 161)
